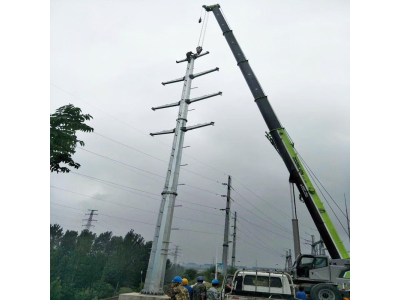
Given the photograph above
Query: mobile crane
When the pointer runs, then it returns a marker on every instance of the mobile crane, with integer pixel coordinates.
(318, 274)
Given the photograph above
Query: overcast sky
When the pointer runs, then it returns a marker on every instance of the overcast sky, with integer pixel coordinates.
(115, 54)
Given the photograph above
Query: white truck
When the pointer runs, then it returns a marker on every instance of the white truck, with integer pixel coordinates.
(253, 285)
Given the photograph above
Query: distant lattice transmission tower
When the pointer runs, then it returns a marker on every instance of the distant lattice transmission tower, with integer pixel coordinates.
(90, 219)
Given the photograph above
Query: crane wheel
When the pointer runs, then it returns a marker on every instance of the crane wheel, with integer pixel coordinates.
(324, 291)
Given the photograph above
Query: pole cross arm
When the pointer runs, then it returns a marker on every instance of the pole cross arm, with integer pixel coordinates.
(173, 81)
(163, 132)
(200, 55)
(196, 126)
(166, 106)
(188, 101)
(203, 73)
(195, 56)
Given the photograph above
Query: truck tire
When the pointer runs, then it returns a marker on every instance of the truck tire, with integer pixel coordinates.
(324, 291)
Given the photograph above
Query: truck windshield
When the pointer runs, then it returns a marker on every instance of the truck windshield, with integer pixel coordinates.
(262, 281)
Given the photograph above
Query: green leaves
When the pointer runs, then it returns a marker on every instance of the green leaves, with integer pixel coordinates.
(64, 124)
(84, 266)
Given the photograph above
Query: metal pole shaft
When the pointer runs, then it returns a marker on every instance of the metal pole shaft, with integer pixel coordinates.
(234, 243)
(158, 258)
(226, 232)
(296, 237)
(313, 247)
(295, 222)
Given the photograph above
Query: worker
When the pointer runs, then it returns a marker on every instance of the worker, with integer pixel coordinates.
(185, 283)
(189, 55)
(301, 294)
(212, 293)
(177, 291)
(199, 290)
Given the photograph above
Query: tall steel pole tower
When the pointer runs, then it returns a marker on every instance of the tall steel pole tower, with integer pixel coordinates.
(158, 258)
(175, 254)
(90, 219)
(234, 242)
(226, 231)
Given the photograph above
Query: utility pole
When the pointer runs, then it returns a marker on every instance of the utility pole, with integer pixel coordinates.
(295, 221)
(226, 231)
(322, 247)
(317, 247)
(313, 246)
(90, 219)
(158, 257)
(234, 242)
(288, 260)
(347, 215)
(176, 253)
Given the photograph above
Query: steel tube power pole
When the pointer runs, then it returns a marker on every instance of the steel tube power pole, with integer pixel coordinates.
(234, 243)
(158, 257)
(226, 232)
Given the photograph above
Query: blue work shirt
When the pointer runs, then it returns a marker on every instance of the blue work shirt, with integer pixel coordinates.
(190, 290)
(301, 295)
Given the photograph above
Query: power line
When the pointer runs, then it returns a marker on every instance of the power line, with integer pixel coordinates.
(122, 163)
(274, 207)
(125, 219)
(284, 228)
(119, 162)
(258, 239)
(145, 134)
(326, 200)
(202, 189)
(129, 147)
(234, 201)
(255, 246)
(132, 207)
(112, 183)
(255, 228)
(98, 109)
(321, 184)
(122, 187)
(265, 201)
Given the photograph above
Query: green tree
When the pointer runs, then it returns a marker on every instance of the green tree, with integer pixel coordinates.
(64, 124)
(56, 233)
(55, 289)
(190, 274)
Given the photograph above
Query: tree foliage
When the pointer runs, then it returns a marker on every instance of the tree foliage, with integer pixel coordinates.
(190, 274)
(64, 124)
(84, 266)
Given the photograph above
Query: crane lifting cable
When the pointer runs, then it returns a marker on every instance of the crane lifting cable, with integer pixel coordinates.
(202, 31)
(201, 11)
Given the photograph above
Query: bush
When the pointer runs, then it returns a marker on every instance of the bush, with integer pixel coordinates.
(55, 289)
(125, 290)
(102, 290)
(190, 274)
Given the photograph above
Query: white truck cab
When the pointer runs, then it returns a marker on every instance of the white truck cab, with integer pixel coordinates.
(250, 285)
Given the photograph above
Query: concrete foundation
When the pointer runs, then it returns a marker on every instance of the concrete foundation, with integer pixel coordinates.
(138, 296)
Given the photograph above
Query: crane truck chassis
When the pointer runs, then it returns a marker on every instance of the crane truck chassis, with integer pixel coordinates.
(320, 282)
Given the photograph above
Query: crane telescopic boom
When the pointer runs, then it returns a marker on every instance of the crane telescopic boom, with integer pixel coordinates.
(282, 142)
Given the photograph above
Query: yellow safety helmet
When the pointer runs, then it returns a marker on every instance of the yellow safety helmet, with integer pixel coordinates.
(185, 281)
